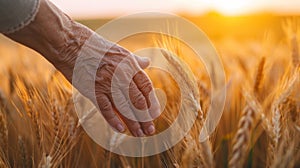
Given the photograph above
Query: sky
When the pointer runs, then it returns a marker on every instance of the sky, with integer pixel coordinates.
(114, 8)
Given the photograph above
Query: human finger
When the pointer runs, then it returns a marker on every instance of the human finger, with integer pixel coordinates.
(143, 62)
(140, 109)
(108, 113)
(145, 86)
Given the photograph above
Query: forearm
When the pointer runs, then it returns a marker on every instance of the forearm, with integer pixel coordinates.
(55, 36)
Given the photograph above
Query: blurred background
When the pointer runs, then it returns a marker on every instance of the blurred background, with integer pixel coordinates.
(106, 9)
(218, 18)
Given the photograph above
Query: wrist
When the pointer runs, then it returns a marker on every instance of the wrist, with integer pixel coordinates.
(61, 37)
(65, 51)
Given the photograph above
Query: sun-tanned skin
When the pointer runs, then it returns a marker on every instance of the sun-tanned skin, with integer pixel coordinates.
(59, 39)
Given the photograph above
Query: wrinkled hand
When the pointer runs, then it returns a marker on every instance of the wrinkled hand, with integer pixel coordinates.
(124, 92)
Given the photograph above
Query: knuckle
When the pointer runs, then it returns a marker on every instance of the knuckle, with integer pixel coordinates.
(146, 87)
(139, 102)
(137, 98)
(144, 82)
(111, 119)
(105, 107)
(104, 104)
(139, 76)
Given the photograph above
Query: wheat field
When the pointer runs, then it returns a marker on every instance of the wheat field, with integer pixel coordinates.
(260, 125)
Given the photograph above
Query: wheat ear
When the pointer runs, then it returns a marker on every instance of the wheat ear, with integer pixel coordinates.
(242, 137)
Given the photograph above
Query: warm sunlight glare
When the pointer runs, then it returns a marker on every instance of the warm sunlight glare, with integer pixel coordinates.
(231, 7)
(113, 8)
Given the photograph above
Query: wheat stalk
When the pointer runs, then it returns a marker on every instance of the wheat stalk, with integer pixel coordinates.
(259, 75)
(191, 155)
(2, 163)
(2, 100)
(189, 84)
(46, 161)
(242, 138)
(3, 133)
(275, 126)
(290, 28)
(287, 152)
(23, 154)
(206, 154)
(295, 51)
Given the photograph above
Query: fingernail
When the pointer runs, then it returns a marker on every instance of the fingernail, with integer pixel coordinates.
(151, 129)
(139, 133)
(120, 128)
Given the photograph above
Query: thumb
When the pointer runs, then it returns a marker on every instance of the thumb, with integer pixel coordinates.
(144, 62)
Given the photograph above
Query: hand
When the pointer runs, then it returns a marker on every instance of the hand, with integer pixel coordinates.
(123, 89)
(123, 92)
(113, 79)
